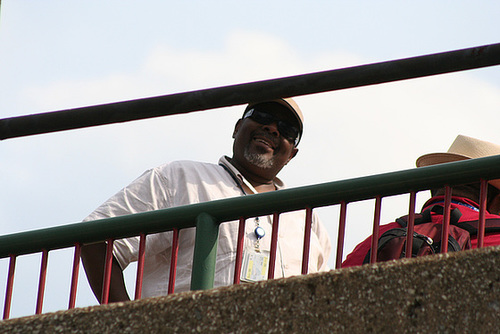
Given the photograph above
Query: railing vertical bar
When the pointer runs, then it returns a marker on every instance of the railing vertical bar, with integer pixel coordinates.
(482, 212)
(107, 272)
(307, 241)
(41, 282)
(341, 236)
(274, 245)
(411, 224)
(173, 260)
(10, 286)
(205, 252)
(140, 266)
(376, 228)
(74, 275)
(446, 219)
(239, 250)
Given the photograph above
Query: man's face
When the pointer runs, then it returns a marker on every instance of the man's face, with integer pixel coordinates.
(261, 148)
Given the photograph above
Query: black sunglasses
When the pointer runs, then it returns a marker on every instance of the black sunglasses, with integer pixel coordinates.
(288, 131)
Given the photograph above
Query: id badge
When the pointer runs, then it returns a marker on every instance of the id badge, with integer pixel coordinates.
(255, 266)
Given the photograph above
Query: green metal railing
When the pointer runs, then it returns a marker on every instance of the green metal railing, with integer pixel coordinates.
(215, 212)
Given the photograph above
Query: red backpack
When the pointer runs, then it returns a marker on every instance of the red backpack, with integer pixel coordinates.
(427, 235)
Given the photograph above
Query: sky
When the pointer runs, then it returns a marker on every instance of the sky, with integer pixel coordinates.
(57, 55)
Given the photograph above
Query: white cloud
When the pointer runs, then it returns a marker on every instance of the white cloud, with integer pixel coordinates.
(246, 57)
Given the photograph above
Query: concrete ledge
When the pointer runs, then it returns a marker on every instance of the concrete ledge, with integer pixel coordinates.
(451, 293)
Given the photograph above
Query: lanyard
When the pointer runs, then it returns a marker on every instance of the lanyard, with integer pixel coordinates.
(235, 178)
(259, 231)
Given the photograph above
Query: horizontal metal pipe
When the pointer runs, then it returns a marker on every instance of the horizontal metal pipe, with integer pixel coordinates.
(477, 57)
(330, 193)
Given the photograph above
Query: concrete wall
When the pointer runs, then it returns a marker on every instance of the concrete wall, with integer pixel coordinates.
(451, 293)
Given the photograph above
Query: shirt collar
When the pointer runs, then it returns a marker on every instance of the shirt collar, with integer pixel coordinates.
(237, 176)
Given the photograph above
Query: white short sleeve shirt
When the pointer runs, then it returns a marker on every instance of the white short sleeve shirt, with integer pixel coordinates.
(188, 182)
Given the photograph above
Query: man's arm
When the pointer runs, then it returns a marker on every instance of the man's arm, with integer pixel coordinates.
(93, 258)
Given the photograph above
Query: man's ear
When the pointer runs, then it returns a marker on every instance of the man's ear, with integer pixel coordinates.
(293, 154)
(236, 128)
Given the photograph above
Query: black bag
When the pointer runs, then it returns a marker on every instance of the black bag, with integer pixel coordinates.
(427, 235)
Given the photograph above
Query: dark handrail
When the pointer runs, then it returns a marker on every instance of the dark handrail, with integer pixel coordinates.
(452, 61)
(330, 193)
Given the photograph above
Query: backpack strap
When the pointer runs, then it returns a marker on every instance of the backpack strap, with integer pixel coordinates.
(426, 217)
(492, 225)
(420, 218)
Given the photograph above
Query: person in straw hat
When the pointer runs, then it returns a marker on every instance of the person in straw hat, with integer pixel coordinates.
(265, 139)
(465, 198)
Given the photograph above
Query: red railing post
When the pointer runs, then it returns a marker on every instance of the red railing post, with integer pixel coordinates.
(307, 241)
(239, 250)
(482, 213)
(140, 266)
(446, 219)
(41, 283)
(411, 225)
(341, 235)
(10, 286)
(376, 227)
(274, 246)
(107, 272)
(173, 260)
(74, 275)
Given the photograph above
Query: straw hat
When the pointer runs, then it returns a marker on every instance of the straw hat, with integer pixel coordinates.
(463, 148)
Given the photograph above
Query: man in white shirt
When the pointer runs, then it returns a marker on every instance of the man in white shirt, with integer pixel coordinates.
(265, 140)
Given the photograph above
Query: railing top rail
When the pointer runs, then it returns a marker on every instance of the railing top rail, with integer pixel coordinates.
(330, 193)
(452, 61)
